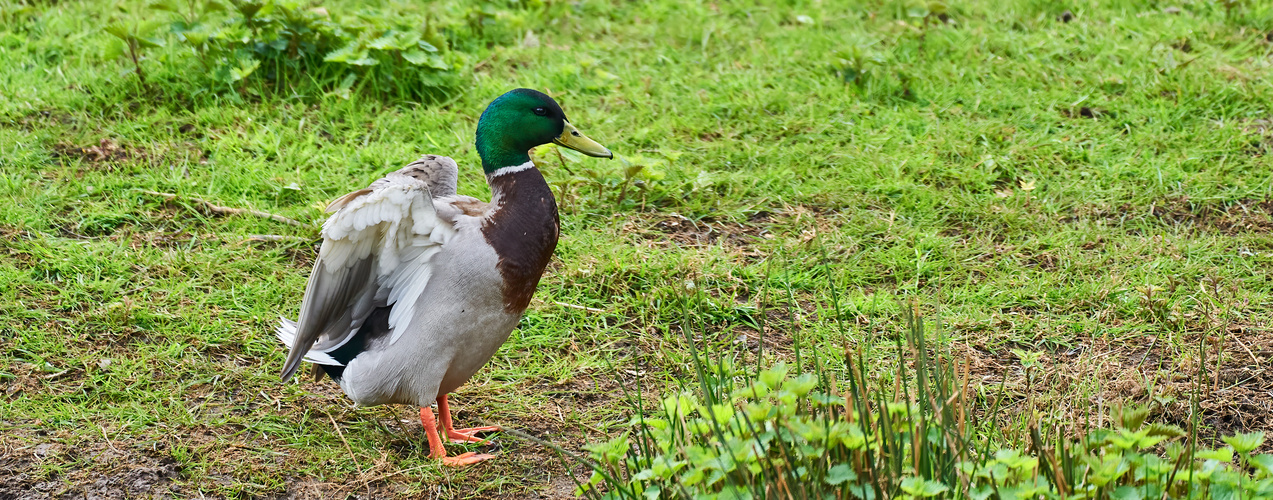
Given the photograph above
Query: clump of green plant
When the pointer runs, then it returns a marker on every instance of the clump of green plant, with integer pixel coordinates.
(131, 39)
(286, 44)
(775, 433)
(780, 433)
(857, 63)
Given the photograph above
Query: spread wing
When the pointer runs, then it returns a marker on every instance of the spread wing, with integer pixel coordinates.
(376, 252)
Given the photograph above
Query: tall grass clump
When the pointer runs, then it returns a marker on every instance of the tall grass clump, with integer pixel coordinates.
(781, 432)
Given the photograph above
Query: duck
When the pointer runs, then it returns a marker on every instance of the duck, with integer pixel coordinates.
(415, 286)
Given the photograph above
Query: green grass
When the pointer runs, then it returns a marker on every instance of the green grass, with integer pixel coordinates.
(1098, 191)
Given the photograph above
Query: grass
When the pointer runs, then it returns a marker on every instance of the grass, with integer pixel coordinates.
(1083, 204)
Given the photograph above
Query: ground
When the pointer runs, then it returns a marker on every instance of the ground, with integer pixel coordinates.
(1078, 195)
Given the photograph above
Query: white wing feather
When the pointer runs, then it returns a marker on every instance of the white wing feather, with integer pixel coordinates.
(376, 252)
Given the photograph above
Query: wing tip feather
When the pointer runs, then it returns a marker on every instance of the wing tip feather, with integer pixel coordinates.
(286, 333)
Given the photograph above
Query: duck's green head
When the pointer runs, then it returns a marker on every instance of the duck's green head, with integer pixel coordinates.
(522, 119)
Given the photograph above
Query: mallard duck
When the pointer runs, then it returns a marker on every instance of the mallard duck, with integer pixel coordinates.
(416, 287)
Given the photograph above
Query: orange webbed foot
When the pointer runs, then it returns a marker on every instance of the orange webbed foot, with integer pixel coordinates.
(465, 459)
(469, 435)
(436, 450)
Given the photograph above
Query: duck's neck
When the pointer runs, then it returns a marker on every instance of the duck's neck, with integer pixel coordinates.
(523, 229)
(496, 145)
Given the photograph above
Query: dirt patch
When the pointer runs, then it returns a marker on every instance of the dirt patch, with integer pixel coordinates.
(1262, 130)
(114, 474)
(1238, 217)
(161, 239)
(105, 151)
(1242, 216)
(44, 119)
(1086, 112)
(109, 154)
(1078, 384)
(38, 464)
(704, 232)
(677, 230)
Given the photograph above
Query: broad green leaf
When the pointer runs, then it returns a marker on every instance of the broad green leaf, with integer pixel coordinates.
(733, 492)
(342, 54)
(150, 42)
(849, 435)
(773, 376)
(839, 474)
(350, 54)
(427, 60)
(115, 48)
(1127, 493)
(1107, 468)
(1221, 490)
(824, 399)
(1223, 454)
(923, 488)
(396, 40)
(165, 5)
(610, 451)
(1264, 463)
(249, 8)
(416, 57)
(592, 483)
(1244, 443)
(244, 69)
(118, 30)
(144, 29)
(386, 42)
(1168, 431)
(693, 476)
(862, 491)
(195, 38)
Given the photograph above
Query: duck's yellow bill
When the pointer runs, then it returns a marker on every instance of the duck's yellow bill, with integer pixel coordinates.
(571, 138)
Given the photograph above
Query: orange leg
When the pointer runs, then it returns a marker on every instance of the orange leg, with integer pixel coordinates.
(460, 435)
(435, 443)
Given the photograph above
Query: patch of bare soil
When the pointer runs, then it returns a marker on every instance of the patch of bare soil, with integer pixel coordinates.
(1242, 216)
(687, 232)
(158, 239)
(1262, 129)
(1086, 112)
(744, 238)
(38, 465)
(1234, 392)
(45, 119)
(105, 151)
(113, 474)
(107, 154)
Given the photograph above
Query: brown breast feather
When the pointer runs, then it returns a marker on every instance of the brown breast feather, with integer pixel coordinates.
(523, 230)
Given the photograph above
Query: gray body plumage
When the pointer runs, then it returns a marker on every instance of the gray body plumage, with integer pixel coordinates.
(410, 244)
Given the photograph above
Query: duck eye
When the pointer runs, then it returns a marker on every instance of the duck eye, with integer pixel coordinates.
(541, 111)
